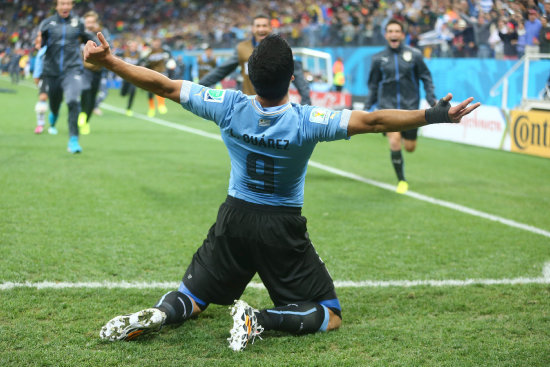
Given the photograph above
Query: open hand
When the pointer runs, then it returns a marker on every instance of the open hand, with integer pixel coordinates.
(98, 55)
(460, 110)
(443, 112)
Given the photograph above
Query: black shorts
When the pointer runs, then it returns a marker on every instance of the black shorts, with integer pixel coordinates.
(409, 134)
(250, 238)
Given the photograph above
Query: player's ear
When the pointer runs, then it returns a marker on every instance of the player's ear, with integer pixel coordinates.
(292, 78)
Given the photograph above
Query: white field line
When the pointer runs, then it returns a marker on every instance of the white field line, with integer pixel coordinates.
(336, 171)
(545, 279)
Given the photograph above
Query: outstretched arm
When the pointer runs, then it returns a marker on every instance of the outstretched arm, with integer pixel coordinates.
(100, 55)
(362, 122)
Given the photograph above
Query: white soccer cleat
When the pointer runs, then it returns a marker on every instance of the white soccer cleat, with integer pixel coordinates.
(129, 327)
(245, 326)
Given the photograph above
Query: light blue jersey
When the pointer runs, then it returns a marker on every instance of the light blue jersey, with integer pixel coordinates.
(269, 147)
(39, 63)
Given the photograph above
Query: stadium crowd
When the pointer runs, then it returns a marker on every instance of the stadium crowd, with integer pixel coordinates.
(443, 28)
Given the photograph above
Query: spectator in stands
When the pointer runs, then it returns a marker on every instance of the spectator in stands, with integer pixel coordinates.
(494, 39)
(482, 34)
(532, 30)
(522, 37)
(544, 35)
(427, 18)
(510, 39)
(546, 8)
(463, 41)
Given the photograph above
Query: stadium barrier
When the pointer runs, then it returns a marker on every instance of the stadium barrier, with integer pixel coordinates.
(530, 133)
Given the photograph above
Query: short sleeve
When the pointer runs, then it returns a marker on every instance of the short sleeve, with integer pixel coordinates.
(322, 124)
(211, 104)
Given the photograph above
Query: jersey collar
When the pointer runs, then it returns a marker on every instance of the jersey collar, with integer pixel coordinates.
(270, 111)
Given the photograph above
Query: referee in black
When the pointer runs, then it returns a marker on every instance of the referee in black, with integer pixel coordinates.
(394, 82)
(63, 33)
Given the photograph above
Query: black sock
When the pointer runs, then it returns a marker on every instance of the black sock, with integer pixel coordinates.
(301, 318)
(74, 110)
(398, 164)
(177, 306)
(131, 99)
(87, 102)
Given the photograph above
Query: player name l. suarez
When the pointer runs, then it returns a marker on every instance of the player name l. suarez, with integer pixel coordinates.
(262, 141)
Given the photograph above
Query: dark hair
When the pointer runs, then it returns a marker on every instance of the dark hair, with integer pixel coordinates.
(260, 16)
(270, 67)
(395, 21)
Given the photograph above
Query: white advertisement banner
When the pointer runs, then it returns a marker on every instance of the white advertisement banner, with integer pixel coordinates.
(484, 127)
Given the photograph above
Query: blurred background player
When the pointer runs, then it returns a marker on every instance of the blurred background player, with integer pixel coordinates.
(130, 54)
(41, 106)
(91, 79)
(338, 78)
(103, 92)
(13, 65)
(156, 60)
(206, 62)
(261, 28)
(393, 83)
(63, 33)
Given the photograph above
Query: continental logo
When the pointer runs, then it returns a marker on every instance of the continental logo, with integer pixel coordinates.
(530, 133)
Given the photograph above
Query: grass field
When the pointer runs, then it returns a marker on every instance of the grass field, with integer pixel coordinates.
(135, 205)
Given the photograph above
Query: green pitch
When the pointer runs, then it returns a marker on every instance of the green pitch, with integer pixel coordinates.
(138, 201)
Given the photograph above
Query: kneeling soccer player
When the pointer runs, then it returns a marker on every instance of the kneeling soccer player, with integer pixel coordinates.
(259, 227)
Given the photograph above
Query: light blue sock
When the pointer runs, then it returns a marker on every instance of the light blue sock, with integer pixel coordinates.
(52, 118)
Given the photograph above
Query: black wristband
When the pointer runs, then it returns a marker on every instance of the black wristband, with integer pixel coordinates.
(438, 113)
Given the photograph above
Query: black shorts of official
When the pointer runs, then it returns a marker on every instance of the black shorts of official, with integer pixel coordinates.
(249, 238)
(408, 134)
(127, 88)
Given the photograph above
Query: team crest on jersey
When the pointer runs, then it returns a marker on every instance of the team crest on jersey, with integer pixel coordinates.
(214, 95)
(319, 116)
(264, 122)
(74, 22)
(407, 56)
